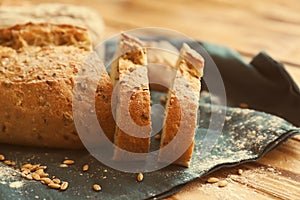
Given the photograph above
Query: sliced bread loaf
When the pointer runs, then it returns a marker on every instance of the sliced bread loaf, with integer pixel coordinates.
(38, 64)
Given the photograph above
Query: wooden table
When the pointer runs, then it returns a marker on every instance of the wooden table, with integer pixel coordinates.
(248, 27)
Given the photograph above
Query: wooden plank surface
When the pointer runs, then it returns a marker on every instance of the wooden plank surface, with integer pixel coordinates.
(248, 27)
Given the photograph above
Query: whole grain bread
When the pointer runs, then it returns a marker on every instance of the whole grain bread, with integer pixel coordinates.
(129, 73)
(44, 34)
(56, 13)
(38, 64)
(182, 106)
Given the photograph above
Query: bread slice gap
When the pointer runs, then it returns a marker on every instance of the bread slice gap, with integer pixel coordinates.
(130, 76)
(182, 108)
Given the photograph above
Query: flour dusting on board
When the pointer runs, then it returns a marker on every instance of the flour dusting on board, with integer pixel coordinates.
(8, 176)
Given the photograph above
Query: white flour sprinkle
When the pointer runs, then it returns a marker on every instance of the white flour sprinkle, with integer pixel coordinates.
(7, 178)
(16, 184)
(5, 172)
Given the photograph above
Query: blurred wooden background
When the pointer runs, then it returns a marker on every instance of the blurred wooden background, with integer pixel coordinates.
(248, 27)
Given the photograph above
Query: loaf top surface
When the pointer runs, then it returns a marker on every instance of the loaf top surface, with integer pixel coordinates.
(57, 13)
(40, 63)
(39, 52)
(44, 34)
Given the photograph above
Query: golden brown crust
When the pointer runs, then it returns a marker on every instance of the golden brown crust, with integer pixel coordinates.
(56, 13)
(36, 85)
(103, 105)
(35, 116)
(44, 34)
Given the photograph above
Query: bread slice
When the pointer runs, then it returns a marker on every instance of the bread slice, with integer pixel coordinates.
(182, 105)
(38, 64)
(129, 73)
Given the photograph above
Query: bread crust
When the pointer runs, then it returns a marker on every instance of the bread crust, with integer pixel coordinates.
(44, 34)
(56, 13)
(36, 84)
